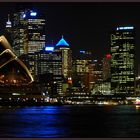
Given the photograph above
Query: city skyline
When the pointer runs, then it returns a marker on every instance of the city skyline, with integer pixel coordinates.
(67, 67)
(84, 25)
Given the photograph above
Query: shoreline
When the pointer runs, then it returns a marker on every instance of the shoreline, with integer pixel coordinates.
(62, 104)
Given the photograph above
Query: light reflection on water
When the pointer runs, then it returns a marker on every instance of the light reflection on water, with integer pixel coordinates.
(70, 121)
(32, 122)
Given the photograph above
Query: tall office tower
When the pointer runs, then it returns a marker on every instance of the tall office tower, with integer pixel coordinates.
(123, 61)
(63, 46)
(28, 32)
(106, 67)
(28, 35)
(49, 68)
(97, 72)
(83, 73)
(83, 70)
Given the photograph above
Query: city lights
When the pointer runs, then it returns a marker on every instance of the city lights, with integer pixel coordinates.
(54, 68)
(108, 56)
(49, 49)
(69, 70)
(122, 62)
(83, 52)
(125, 28)
(33, 14)
(24, 15)
(62, 42)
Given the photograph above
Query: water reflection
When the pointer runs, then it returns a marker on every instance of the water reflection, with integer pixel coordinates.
(33, 122)
(70, 121)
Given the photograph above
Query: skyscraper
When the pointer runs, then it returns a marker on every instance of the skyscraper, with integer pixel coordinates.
(28, 31)
(29, 36)
(83, 69)
(49, 68)
(63, 46)
(123, 61)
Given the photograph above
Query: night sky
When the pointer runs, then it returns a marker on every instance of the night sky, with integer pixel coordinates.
(83, 25)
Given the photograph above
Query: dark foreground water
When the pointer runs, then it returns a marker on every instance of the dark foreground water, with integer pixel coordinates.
(70, 121)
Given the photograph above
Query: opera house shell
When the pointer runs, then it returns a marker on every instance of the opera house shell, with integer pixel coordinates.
(12, 70)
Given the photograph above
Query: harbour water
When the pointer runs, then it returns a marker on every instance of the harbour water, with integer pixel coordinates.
(70, 121)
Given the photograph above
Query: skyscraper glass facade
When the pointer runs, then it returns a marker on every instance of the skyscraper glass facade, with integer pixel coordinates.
(50, 63)
(29, 35)
(28, 32)
(123, 61)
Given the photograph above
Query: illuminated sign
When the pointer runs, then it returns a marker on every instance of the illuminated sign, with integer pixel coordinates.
(125, 28)
(108, 56)
(49, 49)
(33, 14)
(94, 60)
(24, 15)
(82, 51)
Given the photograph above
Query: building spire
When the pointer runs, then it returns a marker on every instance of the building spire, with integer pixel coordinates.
(62, 42)
(8, 23)
(8, 17)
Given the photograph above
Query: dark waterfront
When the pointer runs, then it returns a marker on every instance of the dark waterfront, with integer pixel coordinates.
(70, 121)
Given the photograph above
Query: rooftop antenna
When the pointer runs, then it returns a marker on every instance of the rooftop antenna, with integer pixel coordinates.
(8, 17)
(8, 23)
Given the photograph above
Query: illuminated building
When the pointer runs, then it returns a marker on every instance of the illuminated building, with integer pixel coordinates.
(8, 30)
(63, 46)
(12, 70)
(28, 32)
(8, 23)
(122, 61)
(81, 73)
(83, 70)
(49, 64)
(28, 36)
(106, 67)
(102, 88)
(97, 73)
(138, 85)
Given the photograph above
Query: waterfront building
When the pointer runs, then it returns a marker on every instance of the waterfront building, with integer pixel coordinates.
(14, 75)
(103, 88)
(123, 60)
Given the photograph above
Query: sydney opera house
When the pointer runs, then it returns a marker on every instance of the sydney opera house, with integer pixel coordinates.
(15, 78)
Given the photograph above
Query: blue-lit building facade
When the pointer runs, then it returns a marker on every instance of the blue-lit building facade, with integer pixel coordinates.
(123, 61)
(64, 47)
